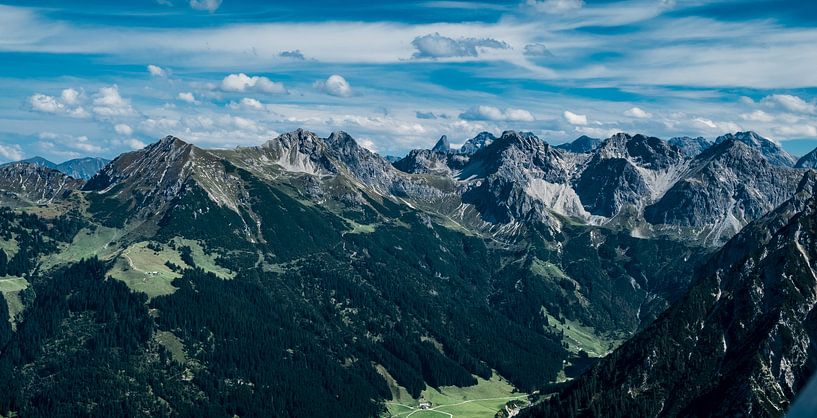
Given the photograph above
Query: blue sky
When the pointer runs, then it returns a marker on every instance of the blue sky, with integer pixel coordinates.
(100, 77)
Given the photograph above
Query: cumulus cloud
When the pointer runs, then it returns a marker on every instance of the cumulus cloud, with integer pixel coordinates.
(241, 83)
(108, 102)
(335, 85)
(70, 96)
(295, 54)
(437, 46)
(537, 50)
(249, 103)
(68, 103)
(575, 119)
(797, 131)
(157, 71)
(134, 144)
(791, 103)
(188, 97)
(555, 6)
(208, 5)
(715, 126)
(636, 112)
(123, 129)
(496, 114)
(757, 116)
(11, 152)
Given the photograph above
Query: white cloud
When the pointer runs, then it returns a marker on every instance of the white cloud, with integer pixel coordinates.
(335, 85)
(67, 103)
(157, 71)
(242, 83)
(188, 97)
(575, 119)
(716, 127)
(11, 152)
(123, 129)
(46, 104)
(757, 116)
(492, 113)
(537, 50)
(437, 46)
(367, 143)
(208, 5)
(796, 131)
(248, 103)
(791, 103)
(555, 6)
(637, 112)
(134, 144)
(69, 96)
(108, 102)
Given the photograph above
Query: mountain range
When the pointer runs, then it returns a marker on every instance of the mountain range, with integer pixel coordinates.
(602, 275)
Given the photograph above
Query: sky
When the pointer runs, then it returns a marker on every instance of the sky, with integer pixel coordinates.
(98, 78)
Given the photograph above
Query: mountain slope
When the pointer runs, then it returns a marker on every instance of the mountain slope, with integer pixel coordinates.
(740, 343)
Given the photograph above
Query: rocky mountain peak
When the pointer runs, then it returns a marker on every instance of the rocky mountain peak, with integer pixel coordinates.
(769, 149)
(442, 145)
(476, 143)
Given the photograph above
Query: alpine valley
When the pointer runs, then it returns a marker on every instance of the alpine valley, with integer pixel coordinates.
(309, 277)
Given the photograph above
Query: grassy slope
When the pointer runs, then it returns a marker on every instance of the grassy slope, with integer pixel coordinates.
(480, 401)
(10, 288)
(144, 270)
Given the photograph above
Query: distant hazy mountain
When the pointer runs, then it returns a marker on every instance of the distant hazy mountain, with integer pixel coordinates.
(79, 168)
(808, 161)
(771, 151)
(581, 145)
(691, 146)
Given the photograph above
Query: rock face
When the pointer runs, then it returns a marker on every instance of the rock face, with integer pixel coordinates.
(771, 151)
(35, 183)
(581, 145)
(724, 188)
(742, 342)
(691, 147)
(808, 161)
(627, 170)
